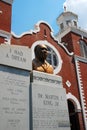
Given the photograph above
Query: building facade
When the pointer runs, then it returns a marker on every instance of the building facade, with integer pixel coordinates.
(67, 54)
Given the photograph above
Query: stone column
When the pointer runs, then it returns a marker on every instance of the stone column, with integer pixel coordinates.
(15, 67)
(49, 109)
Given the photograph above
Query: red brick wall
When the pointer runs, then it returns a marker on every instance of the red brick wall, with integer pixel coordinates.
(68, 39)
(29, 39)
(72, 41)
(68, 71)
(5, 16)
(81, 123)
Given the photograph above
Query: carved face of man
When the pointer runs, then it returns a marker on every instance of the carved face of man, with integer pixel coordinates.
(41, 52)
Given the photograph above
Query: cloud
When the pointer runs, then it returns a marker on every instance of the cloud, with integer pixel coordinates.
(78, 7)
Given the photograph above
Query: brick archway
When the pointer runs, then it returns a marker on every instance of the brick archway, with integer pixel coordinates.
(74, 119)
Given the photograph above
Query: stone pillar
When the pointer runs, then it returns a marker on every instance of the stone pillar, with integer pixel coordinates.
(15, 67)
(49, 109)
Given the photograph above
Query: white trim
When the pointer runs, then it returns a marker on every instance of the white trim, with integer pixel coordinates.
(8, 1)
(58, 68)
(76, 30)
(82, 59)
(69, 53)
(81, 87)
(6, 36)
(75, 101)
(37, 29)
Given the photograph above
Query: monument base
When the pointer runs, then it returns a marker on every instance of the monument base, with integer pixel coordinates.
(48, 101)
(14, 98)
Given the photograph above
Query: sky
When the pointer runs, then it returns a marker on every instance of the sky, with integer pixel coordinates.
(27, 13)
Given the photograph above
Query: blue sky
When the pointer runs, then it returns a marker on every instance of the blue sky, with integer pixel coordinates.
(26, 13)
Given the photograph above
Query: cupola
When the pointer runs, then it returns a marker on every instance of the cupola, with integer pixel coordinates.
(67, 19)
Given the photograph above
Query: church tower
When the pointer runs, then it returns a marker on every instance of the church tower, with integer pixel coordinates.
(74, 39)
(67, 19)
(5, 20)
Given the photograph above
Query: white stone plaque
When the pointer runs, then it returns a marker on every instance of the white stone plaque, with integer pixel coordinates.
(14, 98)
(16, 56)
(49, 108)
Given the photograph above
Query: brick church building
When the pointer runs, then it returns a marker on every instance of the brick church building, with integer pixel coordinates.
(67, 54)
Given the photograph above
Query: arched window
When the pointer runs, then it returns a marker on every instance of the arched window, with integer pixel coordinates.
(61, 26)
(52, 57)
(83, 48)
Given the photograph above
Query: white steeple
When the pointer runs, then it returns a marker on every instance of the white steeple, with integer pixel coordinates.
(67, 19)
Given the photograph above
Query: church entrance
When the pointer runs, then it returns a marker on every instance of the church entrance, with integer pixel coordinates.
(74, 122)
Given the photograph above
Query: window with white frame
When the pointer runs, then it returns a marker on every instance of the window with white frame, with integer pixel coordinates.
(83, 48)
(75, 23)
(52, 57)
(61, 26)
(68, 22)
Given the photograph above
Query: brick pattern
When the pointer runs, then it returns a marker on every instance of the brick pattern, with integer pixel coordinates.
(5, 16)
(82, 83)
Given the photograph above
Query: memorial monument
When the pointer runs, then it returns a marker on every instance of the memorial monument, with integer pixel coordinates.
(15, 66)
(29, 99)
(48, 103)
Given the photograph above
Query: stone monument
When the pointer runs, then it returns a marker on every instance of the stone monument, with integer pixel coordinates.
(29, 100)
(49, 109)
(15, 66)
